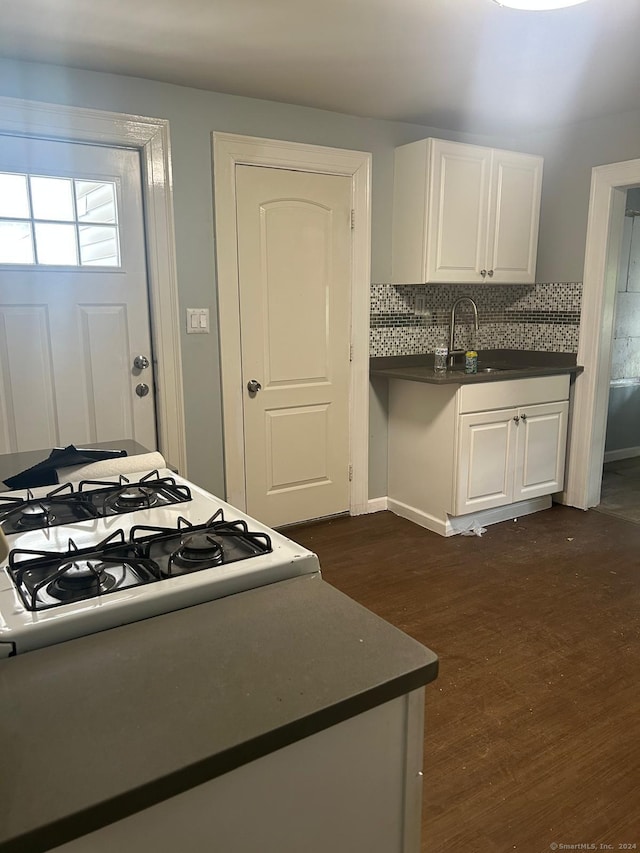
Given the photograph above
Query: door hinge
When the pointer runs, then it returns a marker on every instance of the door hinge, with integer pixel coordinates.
(353, 219)
(350, 473)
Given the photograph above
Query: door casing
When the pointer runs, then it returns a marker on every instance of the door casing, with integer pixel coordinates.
(230, 150)
(151, 137)
(591, 393)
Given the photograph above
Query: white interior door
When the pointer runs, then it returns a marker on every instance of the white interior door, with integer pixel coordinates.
(294, 262)
(74, 311)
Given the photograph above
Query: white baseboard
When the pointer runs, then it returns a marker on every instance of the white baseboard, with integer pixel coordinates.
(623, 453)
(450, 525)
(418, 516)
(377, 504)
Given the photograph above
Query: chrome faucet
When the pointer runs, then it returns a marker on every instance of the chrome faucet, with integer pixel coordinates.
(452, 328)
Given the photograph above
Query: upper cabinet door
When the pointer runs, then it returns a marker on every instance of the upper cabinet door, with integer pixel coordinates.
(458, 211)
(516, 186)
(463, 213)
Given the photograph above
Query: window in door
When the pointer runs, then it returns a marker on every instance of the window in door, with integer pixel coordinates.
(54, 221)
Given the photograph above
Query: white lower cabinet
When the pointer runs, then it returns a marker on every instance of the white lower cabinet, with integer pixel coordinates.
(455, 450)
(510, 455)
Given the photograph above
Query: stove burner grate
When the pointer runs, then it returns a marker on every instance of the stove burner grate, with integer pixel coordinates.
(92, 499)
(46, 579)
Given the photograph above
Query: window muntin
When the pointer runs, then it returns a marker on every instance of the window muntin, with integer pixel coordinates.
(53, 221)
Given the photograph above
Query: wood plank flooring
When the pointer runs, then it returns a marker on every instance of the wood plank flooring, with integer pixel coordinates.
(533, 726)
(620, 494)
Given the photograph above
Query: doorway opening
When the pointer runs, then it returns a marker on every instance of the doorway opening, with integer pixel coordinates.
(620, 492)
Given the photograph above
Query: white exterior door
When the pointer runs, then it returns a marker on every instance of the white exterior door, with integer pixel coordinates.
(540, 455)
(74, 310)
(294, 262)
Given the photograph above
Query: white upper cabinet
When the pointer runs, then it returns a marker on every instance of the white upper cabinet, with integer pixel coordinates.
(463, 213)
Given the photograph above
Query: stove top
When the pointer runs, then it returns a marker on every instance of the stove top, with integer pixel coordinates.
(129, 551)
(46, 579)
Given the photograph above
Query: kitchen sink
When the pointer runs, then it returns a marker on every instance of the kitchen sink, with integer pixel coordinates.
(479, 370)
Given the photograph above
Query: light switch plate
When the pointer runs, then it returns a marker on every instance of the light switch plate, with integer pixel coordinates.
(197, 321)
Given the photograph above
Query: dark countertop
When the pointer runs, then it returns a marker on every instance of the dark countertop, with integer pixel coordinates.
(98, 728)
(509, 364)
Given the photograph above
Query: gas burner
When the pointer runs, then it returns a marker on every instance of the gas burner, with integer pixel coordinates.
(81, 579)
(133, 497)
(197, 551)
(33, 516)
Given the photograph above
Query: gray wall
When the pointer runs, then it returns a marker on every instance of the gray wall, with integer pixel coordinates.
(193, 115)
(569, 156)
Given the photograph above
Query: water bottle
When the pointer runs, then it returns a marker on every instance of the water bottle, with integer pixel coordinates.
(440, 357)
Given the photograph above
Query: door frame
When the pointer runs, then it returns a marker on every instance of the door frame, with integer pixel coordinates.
(599, 290)
(150, 136)
(231, 150)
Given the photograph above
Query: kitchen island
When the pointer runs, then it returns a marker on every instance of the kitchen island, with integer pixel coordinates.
(283, 718)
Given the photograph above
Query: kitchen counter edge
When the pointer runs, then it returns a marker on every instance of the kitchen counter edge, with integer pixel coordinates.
(336, 660)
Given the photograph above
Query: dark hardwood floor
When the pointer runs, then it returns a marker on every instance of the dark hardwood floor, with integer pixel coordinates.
(533, 726)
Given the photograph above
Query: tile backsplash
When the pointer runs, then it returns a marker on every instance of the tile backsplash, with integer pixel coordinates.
(410, 319)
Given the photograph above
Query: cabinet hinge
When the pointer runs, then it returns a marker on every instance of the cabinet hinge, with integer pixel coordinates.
(350, 352)
(350, 473)
(353, 219)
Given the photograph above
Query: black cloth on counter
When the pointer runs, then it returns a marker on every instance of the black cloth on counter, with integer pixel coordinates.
(44, 473)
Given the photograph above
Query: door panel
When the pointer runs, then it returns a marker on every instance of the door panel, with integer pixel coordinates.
(25, 348)
(294, 246)
(105, 329)
(72, 378)
(290, 433)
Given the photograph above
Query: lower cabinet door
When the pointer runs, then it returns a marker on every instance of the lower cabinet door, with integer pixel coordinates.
(540, 450)
(485, 464)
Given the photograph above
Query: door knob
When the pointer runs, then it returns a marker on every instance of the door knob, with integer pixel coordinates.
(483, 273)
(516, 419)
(141, 362)
(142, 389)
(253, 386)
(524, 417)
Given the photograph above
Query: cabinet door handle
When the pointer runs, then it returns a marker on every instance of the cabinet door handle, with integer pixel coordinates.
(490, 273)
(483, 273)
(524, 417)
(516, 418)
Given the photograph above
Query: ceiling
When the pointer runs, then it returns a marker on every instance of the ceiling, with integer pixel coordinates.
(456, 64)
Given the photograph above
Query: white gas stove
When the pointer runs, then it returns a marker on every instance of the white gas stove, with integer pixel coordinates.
(93, 555)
